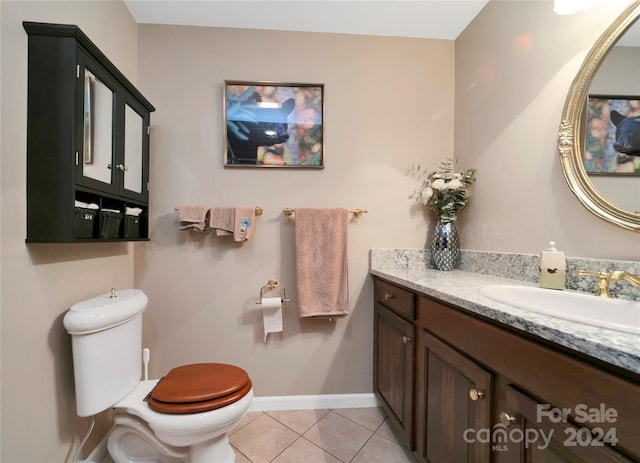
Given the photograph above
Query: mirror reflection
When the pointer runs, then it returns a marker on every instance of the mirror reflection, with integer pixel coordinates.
(612, 145)
(133, 129)
(98, 129)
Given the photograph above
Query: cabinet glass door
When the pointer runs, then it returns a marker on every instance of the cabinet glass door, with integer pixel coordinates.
(133, 150)
(98, 129)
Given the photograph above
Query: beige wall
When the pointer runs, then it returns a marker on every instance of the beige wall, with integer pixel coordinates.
(40, 282)
(389, 104)
(514, 66)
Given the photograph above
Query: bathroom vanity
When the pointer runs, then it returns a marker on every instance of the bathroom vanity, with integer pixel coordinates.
(465, 379)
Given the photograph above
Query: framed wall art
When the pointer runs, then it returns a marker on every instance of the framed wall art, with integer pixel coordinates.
(612, 139)
(269, 124)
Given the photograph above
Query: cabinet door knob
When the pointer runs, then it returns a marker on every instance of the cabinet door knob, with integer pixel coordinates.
(405, 339)
(476, 395)
(388, 296)
(507, 420)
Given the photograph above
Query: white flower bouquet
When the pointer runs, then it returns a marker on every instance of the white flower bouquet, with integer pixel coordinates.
(444, 191)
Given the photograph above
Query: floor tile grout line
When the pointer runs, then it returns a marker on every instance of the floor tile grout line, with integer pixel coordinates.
(241, 453)
(301, 435)
(363, 427)
(234, 430)
(360, 424)
(284, 449)
(289, 427)
(362, 447)
(394, 440)
(324, 450)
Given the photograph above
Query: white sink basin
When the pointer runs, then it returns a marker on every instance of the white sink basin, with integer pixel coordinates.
(615, 314)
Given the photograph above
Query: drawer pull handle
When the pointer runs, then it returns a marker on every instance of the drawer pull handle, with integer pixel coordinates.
(389, 296)
(507, 420)
(405, 339)
(476, 395)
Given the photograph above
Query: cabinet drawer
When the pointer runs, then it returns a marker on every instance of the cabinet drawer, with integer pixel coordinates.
(399, 300)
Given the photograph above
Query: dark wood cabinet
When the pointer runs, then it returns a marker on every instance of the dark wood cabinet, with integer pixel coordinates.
(548, 441)
(87, 142)
(484, 392)
(394, 357)
(455, 396)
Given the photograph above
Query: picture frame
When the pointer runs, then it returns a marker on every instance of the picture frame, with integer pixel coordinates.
(269, 124)
(607, 143)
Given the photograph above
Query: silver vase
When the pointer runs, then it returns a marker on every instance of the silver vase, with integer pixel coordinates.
(445, 247)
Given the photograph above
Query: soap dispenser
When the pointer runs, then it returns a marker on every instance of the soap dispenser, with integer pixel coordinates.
(552, 268)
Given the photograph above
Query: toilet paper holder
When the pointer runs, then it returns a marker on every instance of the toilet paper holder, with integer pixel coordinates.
(271, 284)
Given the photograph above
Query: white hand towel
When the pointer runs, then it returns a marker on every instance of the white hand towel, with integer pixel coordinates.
(271, 315)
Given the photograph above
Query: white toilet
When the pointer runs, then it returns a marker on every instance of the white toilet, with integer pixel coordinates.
(183, 418)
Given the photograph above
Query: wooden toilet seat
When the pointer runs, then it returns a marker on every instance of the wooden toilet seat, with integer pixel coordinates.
(199, 388)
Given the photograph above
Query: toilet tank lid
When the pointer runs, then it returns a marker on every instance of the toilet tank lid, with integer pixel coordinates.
(104, 311)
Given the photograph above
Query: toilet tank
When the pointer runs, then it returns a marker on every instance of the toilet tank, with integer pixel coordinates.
(106, 339)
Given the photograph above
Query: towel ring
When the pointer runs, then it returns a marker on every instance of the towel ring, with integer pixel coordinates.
(271, 284)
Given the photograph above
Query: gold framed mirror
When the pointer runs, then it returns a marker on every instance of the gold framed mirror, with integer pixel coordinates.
(571, 138)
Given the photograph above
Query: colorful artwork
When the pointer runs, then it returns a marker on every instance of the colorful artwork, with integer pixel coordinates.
(612, 142)
(273, 125)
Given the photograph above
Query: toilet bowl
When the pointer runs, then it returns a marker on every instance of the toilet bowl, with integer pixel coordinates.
(183, 418)
(194, 438)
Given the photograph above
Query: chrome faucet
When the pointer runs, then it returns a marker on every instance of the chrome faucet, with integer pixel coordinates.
(604, 278)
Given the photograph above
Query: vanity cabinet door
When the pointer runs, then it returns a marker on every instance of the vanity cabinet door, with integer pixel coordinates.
(526, 437)
(394, 370)
(454, 397)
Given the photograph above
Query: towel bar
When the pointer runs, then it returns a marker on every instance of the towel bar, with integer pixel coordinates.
(259, 210)
(288, 211)
(271, 284)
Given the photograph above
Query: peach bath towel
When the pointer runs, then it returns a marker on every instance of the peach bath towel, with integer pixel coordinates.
(222, 220)
(236, 221)
(243, 222)
(194, 218)
(321, 262)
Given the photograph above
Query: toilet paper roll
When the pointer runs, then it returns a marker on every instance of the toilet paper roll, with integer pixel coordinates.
(271, 315)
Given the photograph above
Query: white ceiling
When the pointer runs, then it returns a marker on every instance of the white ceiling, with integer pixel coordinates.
(432, 19)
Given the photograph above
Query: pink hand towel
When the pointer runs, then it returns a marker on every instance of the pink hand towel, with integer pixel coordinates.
(244, 219)
(321, 262)
(194, 218)
(222, 220)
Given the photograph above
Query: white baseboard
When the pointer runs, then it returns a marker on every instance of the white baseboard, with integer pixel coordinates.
(311, 402)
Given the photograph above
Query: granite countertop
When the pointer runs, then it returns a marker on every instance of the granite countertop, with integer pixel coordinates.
(460, 288)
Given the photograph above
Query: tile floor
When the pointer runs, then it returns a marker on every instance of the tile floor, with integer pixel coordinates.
(348, 435)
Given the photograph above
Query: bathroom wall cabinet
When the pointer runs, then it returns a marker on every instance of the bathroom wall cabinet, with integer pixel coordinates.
(87, 141)
(481, 388)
